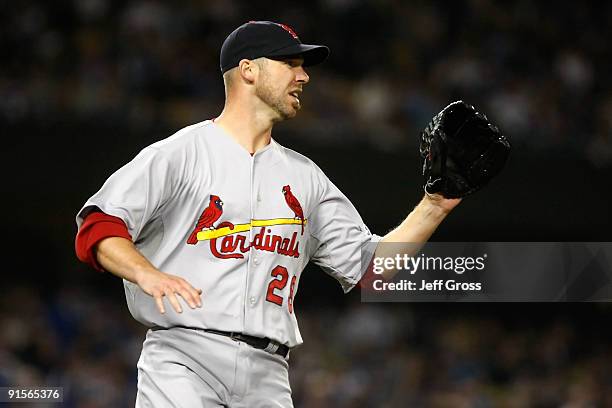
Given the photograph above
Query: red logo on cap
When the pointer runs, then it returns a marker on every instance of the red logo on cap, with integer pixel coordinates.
(289, 30)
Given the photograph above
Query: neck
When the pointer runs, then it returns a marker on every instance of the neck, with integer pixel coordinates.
(250, 127)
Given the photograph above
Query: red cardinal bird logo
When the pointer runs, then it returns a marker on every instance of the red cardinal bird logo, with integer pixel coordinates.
(294, 204)
(208, 217)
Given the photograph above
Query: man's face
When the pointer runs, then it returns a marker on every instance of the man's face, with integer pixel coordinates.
(280, 84)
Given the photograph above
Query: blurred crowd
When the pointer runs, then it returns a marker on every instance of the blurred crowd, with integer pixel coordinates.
(541, 72)
(83, 343)
(358, 355)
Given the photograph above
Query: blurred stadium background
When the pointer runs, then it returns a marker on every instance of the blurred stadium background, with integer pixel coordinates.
(85, 84)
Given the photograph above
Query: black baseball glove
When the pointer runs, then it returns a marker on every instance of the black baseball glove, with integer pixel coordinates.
(461, 151)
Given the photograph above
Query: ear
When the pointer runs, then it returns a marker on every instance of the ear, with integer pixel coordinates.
(248, 70)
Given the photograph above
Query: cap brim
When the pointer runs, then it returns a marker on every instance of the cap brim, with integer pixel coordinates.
(312, 54)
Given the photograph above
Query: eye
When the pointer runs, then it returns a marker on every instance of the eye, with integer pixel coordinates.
(293, 63)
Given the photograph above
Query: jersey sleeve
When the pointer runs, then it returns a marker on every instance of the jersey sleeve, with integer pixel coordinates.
(345, 245)
(134, 193)
(97, 226)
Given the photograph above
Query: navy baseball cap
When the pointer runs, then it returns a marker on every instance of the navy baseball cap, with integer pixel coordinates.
(267, 39)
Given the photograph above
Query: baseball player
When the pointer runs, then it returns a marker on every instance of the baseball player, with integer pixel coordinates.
(211, 228)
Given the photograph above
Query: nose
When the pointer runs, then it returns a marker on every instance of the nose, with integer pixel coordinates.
(301, 76)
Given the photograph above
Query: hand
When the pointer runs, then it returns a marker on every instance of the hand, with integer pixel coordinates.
(439, 201)
(159, 284)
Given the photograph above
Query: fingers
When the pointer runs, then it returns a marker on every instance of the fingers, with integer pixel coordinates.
(172, 287)
(190, 294)
(160, 303)
(174, 302)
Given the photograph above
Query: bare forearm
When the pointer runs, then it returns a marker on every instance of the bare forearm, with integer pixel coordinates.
(120, 257)
(415, 230)
(420, 224)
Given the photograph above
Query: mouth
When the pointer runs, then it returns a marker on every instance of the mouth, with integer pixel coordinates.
(296, 95)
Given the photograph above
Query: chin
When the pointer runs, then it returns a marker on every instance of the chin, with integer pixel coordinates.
(288, 113)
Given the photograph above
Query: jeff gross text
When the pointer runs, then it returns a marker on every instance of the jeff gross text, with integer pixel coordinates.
(431, 265)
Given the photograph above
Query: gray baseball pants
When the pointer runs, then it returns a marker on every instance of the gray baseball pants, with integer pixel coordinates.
(190, 368)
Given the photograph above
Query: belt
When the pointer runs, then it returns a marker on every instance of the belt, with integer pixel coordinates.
(261, 343)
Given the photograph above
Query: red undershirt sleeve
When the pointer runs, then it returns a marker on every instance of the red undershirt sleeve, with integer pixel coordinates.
(97, 226)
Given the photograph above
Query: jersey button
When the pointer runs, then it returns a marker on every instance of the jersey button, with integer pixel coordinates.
(256, 261)
(252, 300)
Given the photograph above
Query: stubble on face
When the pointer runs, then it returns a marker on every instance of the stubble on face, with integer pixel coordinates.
(273, 94)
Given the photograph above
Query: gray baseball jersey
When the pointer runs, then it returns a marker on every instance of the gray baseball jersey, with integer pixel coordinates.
(241, 227)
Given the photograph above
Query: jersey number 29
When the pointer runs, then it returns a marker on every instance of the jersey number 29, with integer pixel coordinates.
(279, 281)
